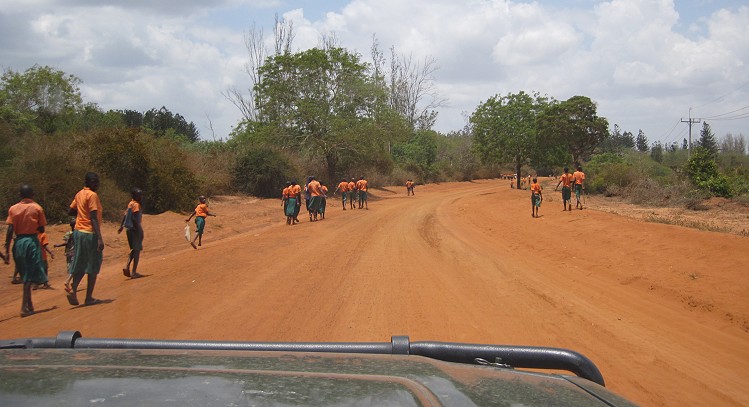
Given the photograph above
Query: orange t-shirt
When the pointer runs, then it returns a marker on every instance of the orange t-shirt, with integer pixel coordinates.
(85, 202)
(343, 186)
(295, 190)
(351, 186)
(362, 185)
(26, 217)
(536, 188)
(579, 177)
(566, 179)
(201, 210)
(314, 188)
(285, 192)
(324, 190)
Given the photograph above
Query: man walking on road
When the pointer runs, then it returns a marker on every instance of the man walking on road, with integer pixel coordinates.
(361, 185)
(26, 220)
(343, 187)
(566, 180)
(89, 245)
(579, 177)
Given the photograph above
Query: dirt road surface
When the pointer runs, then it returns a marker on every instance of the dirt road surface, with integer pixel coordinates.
(662, 310)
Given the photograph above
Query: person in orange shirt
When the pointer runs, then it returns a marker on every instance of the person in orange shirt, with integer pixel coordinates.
(89, 244)
(566, 180)
(323, 200)
(315, 193)
(44, 244)
(295, 201)
(361, 185)
(343, 187)
(26, 220)
(201, 212)
(579, 177)
(536, 197)
(132, 222)
(352, 193)
(409, 187)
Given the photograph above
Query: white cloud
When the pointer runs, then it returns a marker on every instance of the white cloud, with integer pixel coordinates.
(633, 57)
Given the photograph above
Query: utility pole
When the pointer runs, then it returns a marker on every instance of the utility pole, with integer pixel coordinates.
(691, 122)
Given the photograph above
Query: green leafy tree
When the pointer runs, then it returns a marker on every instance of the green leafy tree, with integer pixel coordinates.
(504, 128)
(702, 169)
(164, 123)
(39, 98)
(574, 124)
(323, 103)
(642, 142)
(419, 154)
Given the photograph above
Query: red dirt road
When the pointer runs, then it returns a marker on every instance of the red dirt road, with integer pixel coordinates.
(662, 310)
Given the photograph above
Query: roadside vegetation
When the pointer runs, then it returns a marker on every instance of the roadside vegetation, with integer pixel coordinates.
(326, 112)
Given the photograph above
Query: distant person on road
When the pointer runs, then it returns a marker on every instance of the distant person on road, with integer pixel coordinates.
(343, 187)
(410, 188)
(323, 200)
(26, 220)
(295, 193)
(315, 192)
(132, 221)
(566, 180)
(361, 185)
(352, 193)
(201, 212)
(536, 197)
(579, 177)
(89, 243)
(285, 202)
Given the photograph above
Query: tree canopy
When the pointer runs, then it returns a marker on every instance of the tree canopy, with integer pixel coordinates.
(576, 125)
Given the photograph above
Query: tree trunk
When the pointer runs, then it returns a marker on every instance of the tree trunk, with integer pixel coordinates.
(517, 174)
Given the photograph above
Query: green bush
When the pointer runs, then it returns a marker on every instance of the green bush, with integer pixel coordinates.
(261, 172)
(702, 169)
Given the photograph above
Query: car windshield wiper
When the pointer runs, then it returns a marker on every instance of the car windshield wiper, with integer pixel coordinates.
(502, 356)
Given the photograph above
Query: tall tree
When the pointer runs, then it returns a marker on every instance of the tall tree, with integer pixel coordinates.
(656, 153)
(576, 125)
(504, 128)
(707, 140)
(642, 142)
(40, 97)
(323, 102)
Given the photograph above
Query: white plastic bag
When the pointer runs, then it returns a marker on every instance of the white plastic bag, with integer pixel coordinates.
(187, 232)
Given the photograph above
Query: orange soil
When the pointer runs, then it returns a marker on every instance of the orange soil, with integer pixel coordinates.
(662, 310)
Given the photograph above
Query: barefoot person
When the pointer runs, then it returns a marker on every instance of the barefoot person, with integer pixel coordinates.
(285, 202)
(26, 220)
(314, 189)
(44, 244)
(132, 222)
(352, 194)
(536, 197)
(89, 244)
(579, 177)
(343, 187)
(200, 213)
(566, 180)
(361, 186)
(295, 192)
(69, 245)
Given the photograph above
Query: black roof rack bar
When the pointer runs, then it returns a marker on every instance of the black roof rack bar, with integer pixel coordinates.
(512, 356)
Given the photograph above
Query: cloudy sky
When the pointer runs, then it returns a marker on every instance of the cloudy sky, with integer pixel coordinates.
(644, 62)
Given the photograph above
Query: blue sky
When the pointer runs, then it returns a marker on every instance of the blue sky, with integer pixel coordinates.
(644, 62)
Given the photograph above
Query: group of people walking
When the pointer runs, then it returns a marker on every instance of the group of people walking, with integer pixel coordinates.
(568, 181)
(316, 197)
(27, 221)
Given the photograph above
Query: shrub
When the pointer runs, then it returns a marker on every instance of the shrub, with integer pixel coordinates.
(261, 172)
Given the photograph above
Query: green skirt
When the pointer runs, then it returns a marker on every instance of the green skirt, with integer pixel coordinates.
(87, 258)
(27, 254)
(291, 208)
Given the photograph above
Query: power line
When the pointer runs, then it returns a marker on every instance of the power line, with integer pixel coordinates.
(721, 97)
(717, 116)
